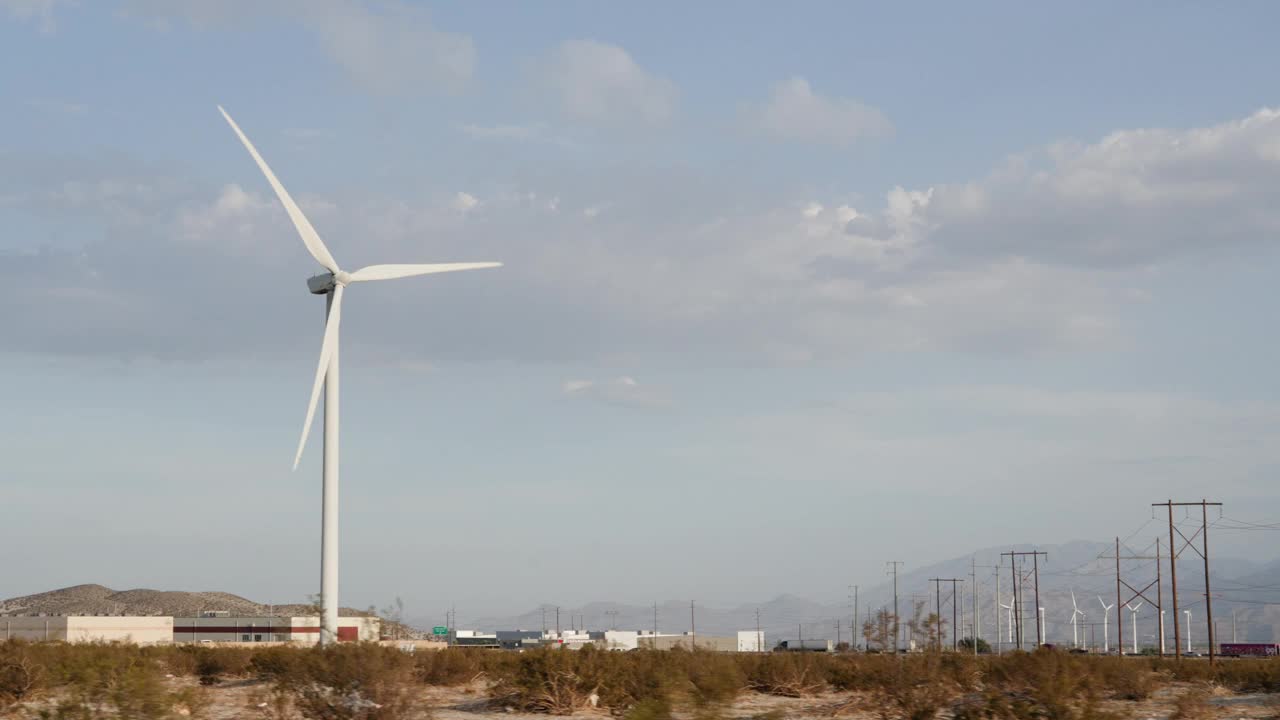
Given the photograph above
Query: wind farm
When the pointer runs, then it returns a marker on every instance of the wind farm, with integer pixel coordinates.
(891, 362)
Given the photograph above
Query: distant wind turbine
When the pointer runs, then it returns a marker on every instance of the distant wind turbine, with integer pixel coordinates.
(331, 284)
(1008, 607)
(1076, 614)
(1133, 622)
(1106, 615)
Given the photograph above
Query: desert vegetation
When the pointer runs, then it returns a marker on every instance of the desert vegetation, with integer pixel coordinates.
(373, 682)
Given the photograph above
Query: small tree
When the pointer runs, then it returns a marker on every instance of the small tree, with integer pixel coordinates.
(967, 644)
(934, 626)
(880, 630)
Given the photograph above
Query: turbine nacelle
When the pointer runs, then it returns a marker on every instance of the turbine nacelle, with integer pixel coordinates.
(321, 284)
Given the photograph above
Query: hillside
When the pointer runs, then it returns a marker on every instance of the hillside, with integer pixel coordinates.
(102, 600)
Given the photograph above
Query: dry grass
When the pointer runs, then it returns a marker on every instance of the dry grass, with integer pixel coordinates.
(371, 682)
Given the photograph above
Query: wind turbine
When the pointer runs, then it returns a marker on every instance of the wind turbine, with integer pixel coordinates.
(1076, 613)
(1188, 614)
(331, 284)
(1106, 615)
(1008, 607)
(1133, 622)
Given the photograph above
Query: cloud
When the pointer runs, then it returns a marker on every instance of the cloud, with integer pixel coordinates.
(33, 9)
(394, 51)
(624, 391)
(388, 48)
(500, 132)
(1027, 258)
(1134, 198)
(795, 112)
(57, 107)
(601, 84)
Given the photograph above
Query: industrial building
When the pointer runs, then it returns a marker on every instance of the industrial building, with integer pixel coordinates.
(142, 630)
(218, 627)
(157, 629)
(744, 641)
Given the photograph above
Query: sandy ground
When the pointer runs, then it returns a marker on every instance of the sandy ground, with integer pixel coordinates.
(252, 699)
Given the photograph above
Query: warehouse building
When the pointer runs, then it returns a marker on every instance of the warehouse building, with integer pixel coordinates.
(142, 630)
(158, 629)
(252, 629)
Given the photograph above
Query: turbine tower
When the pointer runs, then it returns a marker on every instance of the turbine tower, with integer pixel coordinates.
(331, 284)
(1009, 608)
(1076, 614)
(1133, 623)
(1188, 614)
(1106, 615)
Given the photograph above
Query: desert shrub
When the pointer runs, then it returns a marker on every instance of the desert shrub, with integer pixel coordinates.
(1123, 679)
(1259, 675)
(553, 681)
(652, 709)
(277, 663)
(916, 688)
(22, 677)
(785, 674)
(1192, 705)
(349, 682)
(715, 678)
(453, 666)
(139, 692)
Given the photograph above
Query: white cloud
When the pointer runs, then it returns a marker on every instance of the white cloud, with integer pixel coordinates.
(601, 84)
(392, 50)
(624, 391)
(500, 132)
(1021, 260)
(795, 112)
(388, 48)
(33, 9)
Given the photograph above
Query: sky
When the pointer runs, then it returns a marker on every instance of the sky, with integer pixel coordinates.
(787, 291)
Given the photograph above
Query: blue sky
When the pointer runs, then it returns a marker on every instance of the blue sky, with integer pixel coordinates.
(787, 290)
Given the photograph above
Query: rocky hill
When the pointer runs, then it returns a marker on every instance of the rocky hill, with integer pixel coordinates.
(101, 600)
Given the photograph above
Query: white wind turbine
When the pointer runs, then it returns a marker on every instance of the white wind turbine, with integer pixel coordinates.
(1133, 622)
(1106, 615)
(1076, 613)
(331, 285)
(1009, 608)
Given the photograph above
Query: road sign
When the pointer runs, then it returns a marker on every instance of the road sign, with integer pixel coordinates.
(439, 630)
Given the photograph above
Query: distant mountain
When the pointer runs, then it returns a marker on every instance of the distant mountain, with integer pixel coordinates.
(1250, 590)
(101, 600)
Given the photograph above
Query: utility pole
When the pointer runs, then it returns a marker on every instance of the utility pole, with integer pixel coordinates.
(837, 633)
(973, 575)
(1174, 552)
(557, 621)
(1119, 609)
(937, 584)
(693, 628)
(759, 636)
(853, 626)
(1017, 599)
(894, 565)
(996, 610)
(915, 603)
(655, 624)
(1137, 593)
(1159, 601)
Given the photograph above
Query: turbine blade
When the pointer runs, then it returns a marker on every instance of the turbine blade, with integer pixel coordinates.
(326, 354)
(391, 272)
(310, 237)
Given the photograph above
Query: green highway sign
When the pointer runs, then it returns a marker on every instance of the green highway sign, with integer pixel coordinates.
(440, 630)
